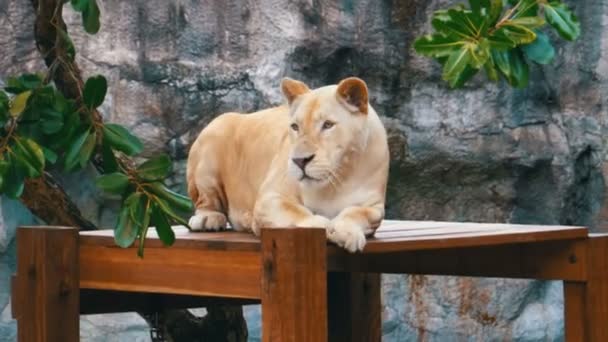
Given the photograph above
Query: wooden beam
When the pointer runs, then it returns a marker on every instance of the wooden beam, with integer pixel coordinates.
(355, 308)
(108, 301)
(199, 272)
(294, 290)
(596, 291)
(46, 285)
(575, 311)
(562, 260)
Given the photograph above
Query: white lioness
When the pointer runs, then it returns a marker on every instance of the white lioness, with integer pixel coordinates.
(320, 161)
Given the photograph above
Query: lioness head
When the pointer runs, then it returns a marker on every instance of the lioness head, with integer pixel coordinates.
(328, 127)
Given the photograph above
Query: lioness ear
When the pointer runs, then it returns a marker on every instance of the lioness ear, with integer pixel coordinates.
(292, 89)
(352, 92)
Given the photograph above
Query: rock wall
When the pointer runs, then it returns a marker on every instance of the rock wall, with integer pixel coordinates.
(483, 153)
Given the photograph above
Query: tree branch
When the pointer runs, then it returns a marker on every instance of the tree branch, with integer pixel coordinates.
(222, 323)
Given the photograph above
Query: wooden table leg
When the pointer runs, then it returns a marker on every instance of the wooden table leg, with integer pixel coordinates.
(46, 288)
(294, 285)
(586, 303)
(355, 308)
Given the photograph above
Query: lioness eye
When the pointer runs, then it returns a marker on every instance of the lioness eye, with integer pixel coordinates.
(328, 125)
(295, 127)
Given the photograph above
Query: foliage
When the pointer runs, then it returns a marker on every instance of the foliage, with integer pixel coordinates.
(42, 130)
(500, 36)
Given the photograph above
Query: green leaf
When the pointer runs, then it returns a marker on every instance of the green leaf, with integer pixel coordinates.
(30, 155)
(490, 10)
(163, 228)
(437, 45)
(155, 169)
(51, 126)
(114, 183)
(528, 22)
(4, 104)
(126, 230)
(72, 157)
(490, 69)
(79, 5)
(463, 77)
(562, 19)
(16, 85)
(540, 51)
(4, 166)
(94, 91)
(512, 66)
(456, 63)
(137, 207)
(181, 202)
(90, 17)
(109, 160)
(120, 139)
(49, 155)
(527, 8)
(19, 103)
(87, 150)
(458, 23)
(518, 34)
(13, 180)
(499, 41)
(168, 210)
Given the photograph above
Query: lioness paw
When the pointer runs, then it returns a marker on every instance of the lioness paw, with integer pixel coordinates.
(208, 221)
(346, 234)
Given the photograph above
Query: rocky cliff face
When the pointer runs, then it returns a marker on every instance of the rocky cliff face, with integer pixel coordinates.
(483, 153)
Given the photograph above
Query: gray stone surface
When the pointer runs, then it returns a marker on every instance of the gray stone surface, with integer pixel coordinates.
(484, 153)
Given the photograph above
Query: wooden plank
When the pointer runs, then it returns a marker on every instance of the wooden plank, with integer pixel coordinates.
(575, 311)
(455, 240)
(107, 301)
(221, 241)
(355, 308)
(47, 283)
(596, 291)
(172, 270)
(563, 260)
(294, 295)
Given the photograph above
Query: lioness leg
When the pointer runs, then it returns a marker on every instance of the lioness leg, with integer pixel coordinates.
(276, 211)
(204, 189)
(353, 224)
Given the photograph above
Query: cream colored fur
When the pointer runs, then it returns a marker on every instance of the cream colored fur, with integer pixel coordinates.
(243, 165)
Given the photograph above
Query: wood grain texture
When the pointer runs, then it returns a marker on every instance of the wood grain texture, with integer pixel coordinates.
(294, 291)
(171, 270)
(596, 291)
(574, 311)
(392, 236)
(563, 260)
(355, 308)
(47, 283)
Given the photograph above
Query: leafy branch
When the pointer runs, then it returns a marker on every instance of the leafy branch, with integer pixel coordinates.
(498, 36)
(52, 122)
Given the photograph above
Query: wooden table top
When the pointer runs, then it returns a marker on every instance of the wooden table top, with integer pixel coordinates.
(391, 236)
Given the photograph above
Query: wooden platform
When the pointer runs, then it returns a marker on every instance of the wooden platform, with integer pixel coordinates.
(310, 290)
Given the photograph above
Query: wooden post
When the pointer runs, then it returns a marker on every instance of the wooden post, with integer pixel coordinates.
(586, 303)
(355, 308)
(46, 289)
(294, 285)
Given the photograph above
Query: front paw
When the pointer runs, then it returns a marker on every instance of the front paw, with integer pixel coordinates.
(207, 221)
(346, 234)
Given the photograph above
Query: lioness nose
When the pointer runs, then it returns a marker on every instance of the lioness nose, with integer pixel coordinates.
(302, 162)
